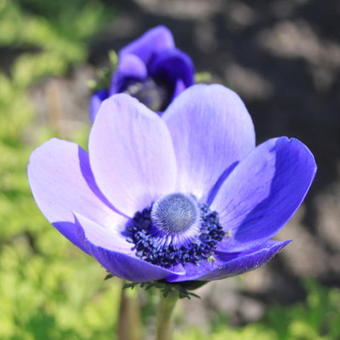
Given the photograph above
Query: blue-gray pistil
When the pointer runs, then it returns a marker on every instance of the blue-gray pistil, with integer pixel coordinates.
(175, 213)
(175, 229)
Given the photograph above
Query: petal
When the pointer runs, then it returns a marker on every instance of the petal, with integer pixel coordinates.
(70, 230)
(211, 129)
(263, 192)
(114, 253)
(150, 43)
(61, 182)
(110, 238)
(171, 65)
(131, 154)
(130, 67)
(179, 88)
(95, 101)
(226, 266)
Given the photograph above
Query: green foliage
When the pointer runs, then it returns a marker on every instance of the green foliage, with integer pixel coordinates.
(203, 77)
(316, 319)
(165, 288)
(249, 332)
(54, 32)
(103, 77)
(41, 297)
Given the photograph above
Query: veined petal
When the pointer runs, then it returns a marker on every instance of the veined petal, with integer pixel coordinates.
(225, 266)
(61, 182)
(131, 154)
(263, 192)
(113, 252)
(110, 238)
(211, 129)
(150, 43)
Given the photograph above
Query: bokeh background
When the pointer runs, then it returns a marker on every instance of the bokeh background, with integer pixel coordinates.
(282, 57)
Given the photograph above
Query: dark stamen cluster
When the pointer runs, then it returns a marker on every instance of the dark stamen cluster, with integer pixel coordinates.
(153, 95)
(148, 248)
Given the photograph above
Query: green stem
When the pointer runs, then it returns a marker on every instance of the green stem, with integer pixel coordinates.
(129, 327)
(164, 324)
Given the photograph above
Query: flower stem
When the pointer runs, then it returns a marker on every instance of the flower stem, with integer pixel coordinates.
(165, 309)
(129, 327)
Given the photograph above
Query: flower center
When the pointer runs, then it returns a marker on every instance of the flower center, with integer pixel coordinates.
(151, 94)
(174, 213)
(176, 229)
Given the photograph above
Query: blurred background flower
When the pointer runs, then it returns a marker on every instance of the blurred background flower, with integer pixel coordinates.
(281, 57)
(150, 69)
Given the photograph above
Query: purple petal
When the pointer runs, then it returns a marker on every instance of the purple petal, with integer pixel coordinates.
(263, 192)
(171, 65)
(211, 129)
(114, 253)
(225, 266)
(61, 182)
(108, 237)
(130, 67)
(179, 88)
(150, 43)
(95, 101)
(131, 154)
(70, 230)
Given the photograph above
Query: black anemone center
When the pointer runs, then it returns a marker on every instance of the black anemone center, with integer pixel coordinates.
(175, 230)
(174, 213)
(155, 96)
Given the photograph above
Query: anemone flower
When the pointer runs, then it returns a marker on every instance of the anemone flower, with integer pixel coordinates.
(184, 197)
(151, 69)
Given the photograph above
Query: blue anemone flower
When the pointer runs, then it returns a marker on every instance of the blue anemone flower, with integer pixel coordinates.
(151, 69)
(184, 197)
